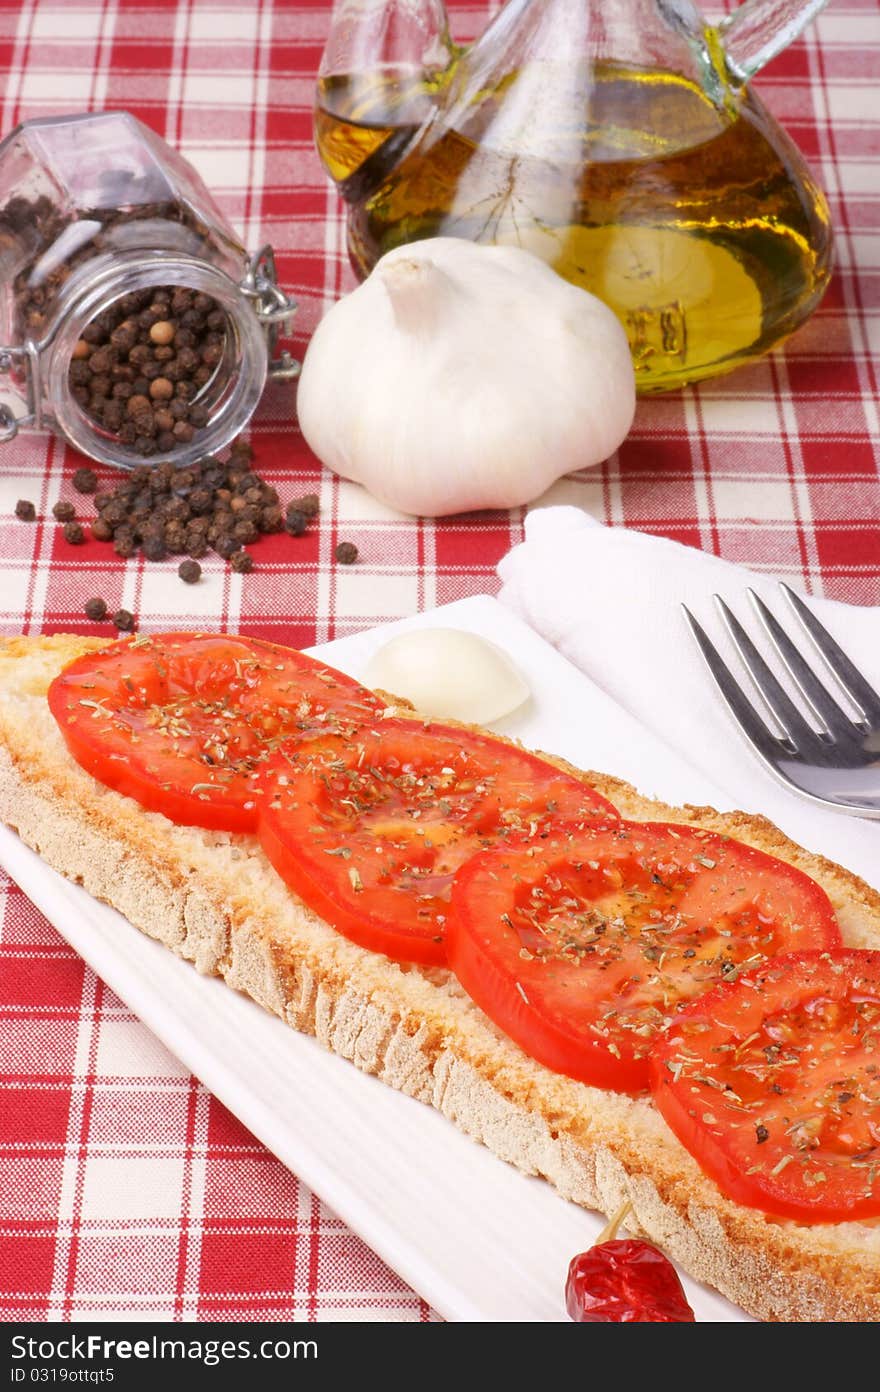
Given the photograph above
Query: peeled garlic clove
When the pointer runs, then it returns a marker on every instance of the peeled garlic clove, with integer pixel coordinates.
(449, 672)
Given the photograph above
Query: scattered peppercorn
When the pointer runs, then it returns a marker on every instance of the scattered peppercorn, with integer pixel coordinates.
(296, 523)
(190, 571)
(346, 553)
(154, 548)
(123, 620)
(308, 505)
(188, 510)
(85, 481)
(272, 519)
(96, 609)
(74, 533)
(124, 544)
(63, 511)
(242, 562)
(226, 545)
(25, 510)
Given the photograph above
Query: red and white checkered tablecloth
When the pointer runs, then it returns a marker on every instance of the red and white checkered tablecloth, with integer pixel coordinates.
(126, 1190)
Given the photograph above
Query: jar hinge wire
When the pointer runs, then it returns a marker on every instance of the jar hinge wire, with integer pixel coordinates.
(273, 308)
(28, 357)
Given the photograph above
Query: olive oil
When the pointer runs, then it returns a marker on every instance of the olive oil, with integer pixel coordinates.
(698, 223)
(364, 123)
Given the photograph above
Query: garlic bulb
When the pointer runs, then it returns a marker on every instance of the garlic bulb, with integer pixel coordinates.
(461, 376)
(449, 672)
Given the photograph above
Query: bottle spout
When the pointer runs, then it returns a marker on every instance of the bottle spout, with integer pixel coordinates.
(369, 36)
(381, 79)
(760, 29)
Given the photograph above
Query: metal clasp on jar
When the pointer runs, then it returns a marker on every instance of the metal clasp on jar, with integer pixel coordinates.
(23, 362)
(274, 309)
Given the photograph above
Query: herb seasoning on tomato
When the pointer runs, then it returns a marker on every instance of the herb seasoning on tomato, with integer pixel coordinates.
(581, 947)
(773, 1084)
(370, 831)
(184, 722)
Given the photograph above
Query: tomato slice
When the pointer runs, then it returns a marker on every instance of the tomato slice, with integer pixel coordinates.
(184, 722)
(370, 832)
(773, 1084)
(582, 947)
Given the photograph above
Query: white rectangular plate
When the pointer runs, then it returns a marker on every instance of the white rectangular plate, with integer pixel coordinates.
(477, 1239)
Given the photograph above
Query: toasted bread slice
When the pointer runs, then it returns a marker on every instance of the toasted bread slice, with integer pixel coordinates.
(214, 899)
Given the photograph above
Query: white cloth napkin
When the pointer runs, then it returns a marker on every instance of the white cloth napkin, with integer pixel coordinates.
(610, 601)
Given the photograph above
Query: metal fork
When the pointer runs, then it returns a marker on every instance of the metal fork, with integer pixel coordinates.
(836, 761)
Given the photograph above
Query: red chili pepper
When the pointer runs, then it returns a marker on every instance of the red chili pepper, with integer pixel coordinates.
(625, 1281)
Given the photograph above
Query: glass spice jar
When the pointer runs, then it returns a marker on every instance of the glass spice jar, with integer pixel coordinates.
(135, 323)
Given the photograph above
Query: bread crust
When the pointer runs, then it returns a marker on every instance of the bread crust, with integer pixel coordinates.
(214, 899)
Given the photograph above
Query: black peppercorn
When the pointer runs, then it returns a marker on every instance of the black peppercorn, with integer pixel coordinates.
(190, 571)
(125, 336)
(100, 361)
(124, 543)
(96, 609)
(226, 545)
(74, 533)
(114, 513)
(123, 620)
(154, 547)
(242, 562)
(112, 415)
(63, 511)
(176, 510)
(25, 510)
(175, 538)
(346, 553)
(309, 505)
(200, 501)
(101, 530)
(85, 481)
(142, 504)
(296, 523)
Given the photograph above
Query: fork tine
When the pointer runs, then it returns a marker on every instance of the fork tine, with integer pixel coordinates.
(839, 664)
(822, 702)
(740, 706)
(801, 735)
